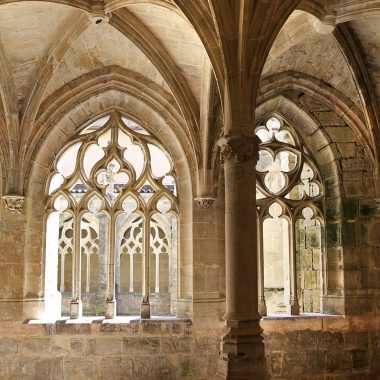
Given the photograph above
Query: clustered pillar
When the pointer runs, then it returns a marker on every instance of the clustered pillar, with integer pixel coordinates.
(242, 351)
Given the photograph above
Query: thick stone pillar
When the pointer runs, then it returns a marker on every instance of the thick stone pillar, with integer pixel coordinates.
(242, 354)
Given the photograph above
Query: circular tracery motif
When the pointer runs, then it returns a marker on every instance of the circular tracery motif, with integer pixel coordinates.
(285, 169)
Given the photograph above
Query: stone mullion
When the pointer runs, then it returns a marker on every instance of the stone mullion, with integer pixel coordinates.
(260, 248)
(76, 302)
(157, 286)
(88, 269)
(131, 275)
(62, 279)
(242, 343)
(145, 306)
(110, 311)
(293, 307)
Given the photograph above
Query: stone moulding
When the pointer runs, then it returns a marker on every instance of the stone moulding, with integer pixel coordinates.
(14, 203)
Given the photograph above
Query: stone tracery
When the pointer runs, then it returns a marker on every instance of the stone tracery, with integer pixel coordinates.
(108, 176)
(288, 185)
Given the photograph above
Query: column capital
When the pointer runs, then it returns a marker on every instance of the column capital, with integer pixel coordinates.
(14, 203)
(240, 147)
(205, 202)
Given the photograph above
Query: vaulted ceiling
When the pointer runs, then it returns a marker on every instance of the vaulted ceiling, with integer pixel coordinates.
(50, 48)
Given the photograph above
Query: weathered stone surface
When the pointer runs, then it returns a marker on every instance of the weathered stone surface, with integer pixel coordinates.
(141, 345)
(116, 368)
(80, 368)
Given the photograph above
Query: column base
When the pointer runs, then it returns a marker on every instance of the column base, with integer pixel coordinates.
(76, 309)
(110, 310)
(263, 308)
(145, 311)
(293, 309)
(242, 352)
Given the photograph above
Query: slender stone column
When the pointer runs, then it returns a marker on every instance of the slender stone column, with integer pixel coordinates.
(62, 279)
(157, 285)
(110, 311)
(260, 247)
(293, 308)
(242, 354)
(145, 306)
(76, 301)
(88, 272)
(102, 282)
(131, 275)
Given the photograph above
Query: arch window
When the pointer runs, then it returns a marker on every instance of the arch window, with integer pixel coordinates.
(290, 222)
(111, 224)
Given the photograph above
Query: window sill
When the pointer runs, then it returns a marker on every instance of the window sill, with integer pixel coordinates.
(300, 316)
(117, 320)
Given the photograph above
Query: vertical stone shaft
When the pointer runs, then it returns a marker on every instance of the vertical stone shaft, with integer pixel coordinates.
(76, 302)
(260, 247)
(110, 311)
(293, 307)
(131, 272)
(62, 279)
(88, 272)
(157, 285)
(145, 306)
(102, 277)
(242, 345)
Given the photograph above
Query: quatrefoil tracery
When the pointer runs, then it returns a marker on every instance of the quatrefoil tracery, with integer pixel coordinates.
(285, 169)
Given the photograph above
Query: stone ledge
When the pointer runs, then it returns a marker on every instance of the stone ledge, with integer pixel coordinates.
(321, 322)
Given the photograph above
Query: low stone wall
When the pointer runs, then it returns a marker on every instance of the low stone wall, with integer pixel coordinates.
(323, 348)
(296, 348)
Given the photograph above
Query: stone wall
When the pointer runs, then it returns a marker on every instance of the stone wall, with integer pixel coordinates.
(296, 348)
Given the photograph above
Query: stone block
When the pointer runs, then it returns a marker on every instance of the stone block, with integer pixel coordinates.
(36, 347)
(193, 366)
(150, 328)
(360, 359)
(116, 368)
(141, 345)
(172, 328)
(79, 368)
(127, 329)
(338, 360)
(101, 346)
(310, 279)
(9, 346)
(275, 363)
(302, 363)
(354, 340)
(33, 369)
(330, 341)
(177, 345)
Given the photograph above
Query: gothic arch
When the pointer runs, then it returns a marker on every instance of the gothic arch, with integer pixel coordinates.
(58, 132)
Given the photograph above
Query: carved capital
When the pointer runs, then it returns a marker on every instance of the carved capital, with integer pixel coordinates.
(205, 202)
(240, 148)
(377, 203)
(14, 203)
